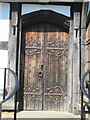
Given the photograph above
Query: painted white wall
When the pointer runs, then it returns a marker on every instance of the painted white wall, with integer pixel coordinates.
(4, 35)
(3, 64)
(4, 30)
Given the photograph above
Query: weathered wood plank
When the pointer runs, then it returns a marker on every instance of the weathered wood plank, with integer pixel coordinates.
(13, 44)
(70, 67)
(83, 39)
(76, 60)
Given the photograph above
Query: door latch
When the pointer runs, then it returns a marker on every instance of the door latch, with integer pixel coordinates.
(40, 74)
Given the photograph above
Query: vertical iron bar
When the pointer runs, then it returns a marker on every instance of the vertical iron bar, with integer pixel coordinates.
(82, 105)
(15, 106)
(4, 90)
(0, 111)
(17, 53)
(84, 118)
(89, 89)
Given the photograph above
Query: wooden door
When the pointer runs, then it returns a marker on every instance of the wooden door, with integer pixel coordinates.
(45, 73)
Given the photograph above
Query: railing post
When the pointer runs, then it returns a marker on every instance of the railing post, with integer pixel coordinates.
(11, 94)
(82, 106)
(4, 88)
(0, 111)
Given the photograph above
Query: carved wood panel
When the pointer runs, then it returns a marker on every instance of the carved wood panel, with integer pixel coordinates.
(45, 73)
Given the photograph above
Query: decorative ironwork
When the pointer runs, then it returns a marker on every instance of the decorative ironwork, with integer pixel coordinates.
(32, 47)
(56, 43)
(55, 94)
(31, 94)
(56, 48)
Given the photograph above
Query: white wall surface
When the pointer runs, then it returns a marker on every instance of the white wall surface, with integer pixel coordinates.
(3, 64)
(4, 30)
(4, 35)
(3, 58)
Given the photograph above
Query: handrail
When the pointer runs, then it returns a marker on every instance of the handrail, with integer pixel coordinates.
(15, 87)
(82, 84)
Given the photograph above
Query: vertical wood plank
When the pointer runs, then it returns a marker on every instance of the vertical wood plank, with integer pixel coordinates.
(76, 59)
(13, 43)
(70, 67)
(83, 39)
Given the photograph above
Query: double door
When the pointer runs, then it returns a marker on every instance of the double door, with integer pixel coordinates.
(45, 71)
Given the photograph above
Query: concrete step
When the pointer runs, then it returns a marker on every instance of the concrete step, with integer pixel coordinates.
(45, 114)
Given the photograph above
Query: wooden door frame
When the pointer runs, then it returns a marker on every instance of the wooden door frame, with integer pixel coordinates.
(48, 16)
(75, 20)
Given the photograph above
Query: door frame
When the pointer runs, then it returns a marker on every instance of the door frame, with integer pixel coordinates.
(48, 16)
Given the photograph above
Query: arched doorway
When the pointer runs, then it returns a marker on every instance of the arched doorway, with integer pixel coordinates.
(44, 56)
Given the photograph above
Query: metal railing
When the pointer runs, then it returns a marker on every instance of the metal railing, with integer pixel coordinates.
(86, 93)
(10, 72)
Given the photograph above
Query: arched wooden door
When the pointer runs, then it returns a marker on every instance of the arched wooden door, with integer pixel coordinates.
(45, 72)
